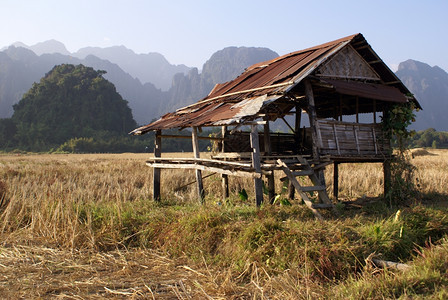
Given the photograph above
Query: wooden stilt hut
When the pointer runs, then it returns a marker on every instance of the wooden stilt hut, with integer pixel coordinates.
(336, 86)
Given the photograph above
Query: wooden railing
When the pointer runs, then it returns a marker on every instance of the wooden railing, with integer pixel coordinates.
(351, 139)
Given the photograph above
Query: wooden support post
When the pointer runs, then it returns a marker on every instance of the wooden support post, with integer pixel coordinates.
(374, 111)
(298, 139)
(312, 116)
(314, 130)
(357, 109)
(387, 176)
(194, 135)
(297, 128)
(225, 178)
(340, 108)
(156, 171)
(256, 164)
(268, 151)
(336, 180)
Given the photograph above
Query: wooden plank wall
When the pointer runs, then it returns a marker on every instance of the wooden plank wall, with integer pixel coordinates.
(280, 142)
(343, 138)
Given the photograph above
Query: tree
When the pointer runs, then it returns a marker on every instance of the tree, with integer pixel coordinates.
(69, 102)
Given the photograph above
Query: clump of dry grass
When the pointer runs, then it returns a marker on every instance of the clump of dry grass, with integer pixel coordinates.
(420, 152)
(3, 190)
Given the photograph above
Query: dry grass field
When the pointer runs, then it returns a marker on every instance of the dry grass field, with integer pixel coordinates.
(84, 227)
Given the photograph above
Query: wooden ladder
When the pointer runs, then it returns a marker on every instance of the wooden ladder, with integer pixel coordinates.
(307, 170)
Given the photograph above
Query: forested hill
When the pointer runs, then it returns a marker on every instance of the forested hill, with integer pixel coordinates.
(69, 102)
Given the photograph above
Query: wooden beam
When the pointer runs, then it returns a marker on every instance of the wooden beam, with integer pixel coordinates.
(189, 137)
(297, 128)
(194, 135)
(312, 116)
(357, 109)
(287, 124)
(299, 189)
(156, 171)
(239, 173)
(336, 180)
(256, 164)
(340, 108)
(314, 128)
(374, 111)
(268, 151)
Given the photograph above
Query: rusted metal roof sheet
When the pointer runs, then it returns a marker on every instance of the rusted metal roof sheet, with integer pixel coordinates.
(242, 98)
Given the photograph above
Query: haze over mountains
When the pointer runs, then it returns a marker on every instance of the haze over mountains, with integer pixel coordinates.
(153, 86)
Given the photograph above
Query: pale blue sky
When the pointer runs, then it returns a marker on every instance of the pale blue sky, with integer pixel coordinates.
(189, 32)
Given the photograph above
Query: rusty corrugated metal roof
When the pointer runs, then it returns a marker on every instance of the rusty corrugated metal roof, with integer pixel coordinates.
(242, 98)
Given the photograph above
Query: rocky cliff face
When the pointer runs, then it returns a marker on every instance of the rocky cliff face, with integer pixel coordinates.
(430, 86)
(222, 66)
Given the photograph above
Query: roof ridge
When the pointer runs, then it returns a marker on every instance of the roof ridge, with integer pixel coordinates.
(327, 44)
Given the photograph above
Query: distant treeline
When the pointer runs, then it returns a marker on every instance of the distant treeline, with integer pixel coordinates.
(429, 138)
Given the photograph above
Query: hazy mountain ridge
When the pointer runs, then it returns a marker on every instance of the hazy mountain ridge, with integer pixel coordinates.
(152, 67)
(430, 87)
(20, 67)
(148, 68)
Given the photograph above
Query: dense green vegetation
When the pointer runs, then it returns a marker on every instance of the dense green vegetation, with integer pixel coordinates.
(429, 138)
(69, 102)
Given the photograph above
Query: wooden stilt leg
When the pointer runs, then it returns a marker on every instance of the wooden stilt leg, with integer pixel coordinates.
(198, 172)
(336, 181)
(156, 171)
(256, 164)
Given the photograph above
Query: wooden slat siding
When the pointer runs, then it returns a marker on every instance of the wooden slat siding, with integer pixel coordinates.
(342, 138)
(336, 138)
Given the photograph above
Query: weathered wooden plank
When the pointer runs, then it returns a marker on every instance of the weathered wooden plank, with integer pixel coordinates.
(200, 160)
(298, 187)
(239, 173)
(256, 163)
(312, 116)
(178, 136)
(313, 188)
